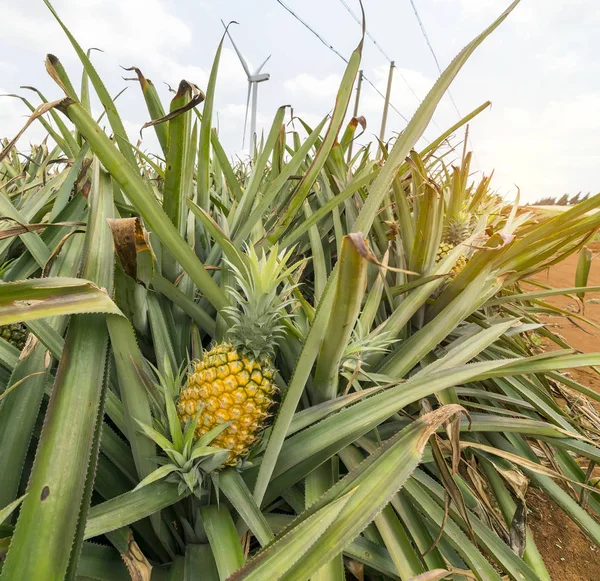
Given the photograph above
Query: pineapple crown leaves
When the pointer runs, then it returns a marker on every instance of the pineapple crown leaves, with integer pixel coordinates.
(260, 311)
(457, 228)
(364, 343)
(187, 462)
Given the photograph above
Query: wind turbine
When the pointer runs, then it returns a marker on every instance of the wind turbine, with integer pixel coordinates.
(253, 80)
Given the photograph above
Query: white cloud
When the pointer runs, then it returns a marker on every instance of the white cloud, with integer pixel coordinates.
(531, 16)
(573, 115)
(176, 72)
(561, 62)
(143, 33)
(545, 152)
(405, 82)
(128, 28)
(408, 87)
(229, 119)
(478, 6)
(6, 68)
(516, 117)
(13, 116)
(312, 86)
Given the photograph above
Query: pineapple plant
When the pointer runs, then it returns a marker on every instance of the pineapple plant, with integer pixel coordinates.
(135, 478)
(234, 381)
(467, 205)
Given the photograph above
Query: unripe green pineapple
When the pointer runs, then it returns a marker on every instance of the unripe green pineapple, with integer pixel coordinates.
(15, 334)
(234, 380)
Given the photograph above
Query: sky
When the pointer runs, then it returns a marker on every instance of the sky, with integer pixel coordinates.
(539, 69)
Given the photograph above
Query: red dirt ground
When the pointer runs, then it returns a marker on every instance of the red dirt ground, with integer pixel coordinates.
(568, 554)
(576, 333)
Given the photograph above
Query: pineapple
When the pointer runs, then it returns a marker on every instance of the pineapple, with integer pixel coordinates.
(456, 231)
(15, 334)
(458, 228)
(234, 381)
(443, 250)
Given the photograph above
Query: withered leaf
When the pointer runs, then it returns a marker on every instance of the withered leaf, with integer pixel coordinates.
(133, 248)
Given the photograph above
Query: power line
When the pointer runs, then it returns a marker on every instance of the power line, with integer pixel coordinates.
(331, 47)
(378, 46)
(439, 68)
(435, 58)
(383, 97)
(358, 20)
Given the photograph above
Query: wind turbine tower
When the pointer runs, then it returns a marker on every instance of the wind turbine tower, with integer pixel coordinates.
(253, 80)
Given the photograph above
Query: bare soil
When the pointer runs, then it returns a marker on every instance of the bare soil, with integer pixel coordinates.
(567, 552)
(569, 555)
(578, 334)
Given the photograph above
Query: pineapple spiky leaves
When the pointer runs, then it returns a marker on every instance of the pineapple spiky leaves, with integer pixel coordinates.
(234, 380)
(354, 364)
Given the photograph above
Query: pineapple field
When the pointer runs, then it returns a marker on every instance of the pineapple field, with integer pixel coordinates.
(315, 364)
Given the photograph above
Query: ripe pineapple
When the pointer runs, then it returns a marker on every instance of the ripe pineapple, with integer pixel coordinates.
(234, 380)
(15, 334)
(443, 251)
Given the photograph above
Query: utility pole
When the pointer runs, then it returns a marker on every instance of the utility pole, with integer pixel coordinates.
(387, 101)
(358, 88)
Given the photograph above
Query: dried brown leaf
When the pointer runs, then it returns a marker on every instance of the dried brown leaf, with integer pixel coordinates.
(197, 97)
(356, 568)
(43, 108)
(24, 228)
(130, 240)
(362, 247)
(138, 566)
(518, 529)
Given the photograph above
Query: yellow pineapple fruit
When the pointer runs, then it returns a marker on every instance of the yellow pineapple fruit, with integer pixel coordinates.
(456, 230)
(443, 250)
(232, 388)
(234, 380)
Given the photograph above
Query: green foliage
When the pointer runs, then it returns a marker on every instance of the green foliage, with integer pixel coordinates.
(414, 411)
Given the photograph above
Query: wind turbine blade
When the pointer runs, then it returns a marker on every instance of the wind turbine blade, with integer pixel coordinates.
(244, 63)
(246, 116)
(261, 66)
